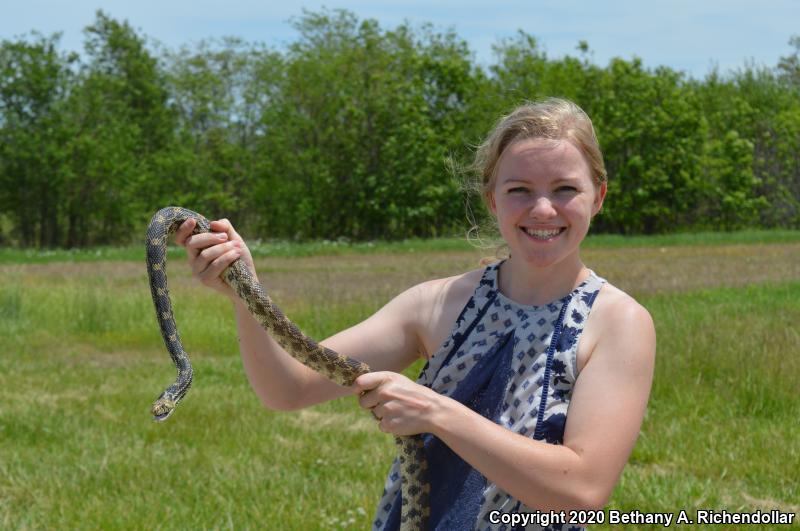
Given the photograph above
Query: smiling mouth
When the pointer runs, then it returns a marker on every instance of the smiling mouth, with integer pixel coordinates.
(543, 235)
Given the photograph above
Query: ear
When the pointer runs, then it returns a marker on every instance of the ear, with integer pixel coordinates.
(599, 197)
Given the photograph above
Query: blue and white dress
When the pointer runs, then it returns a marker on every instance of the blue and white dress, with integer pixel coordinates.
(512, 363)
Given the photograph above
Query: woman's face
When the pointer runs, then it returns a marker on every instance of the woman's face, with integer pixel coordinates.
(544, 197)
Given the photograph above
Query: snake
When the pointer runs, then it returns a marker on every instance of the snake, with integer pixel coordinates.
(337, 367)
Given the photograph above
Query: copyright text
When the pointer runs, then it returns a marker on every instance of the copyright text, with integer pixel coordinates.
(665, 519)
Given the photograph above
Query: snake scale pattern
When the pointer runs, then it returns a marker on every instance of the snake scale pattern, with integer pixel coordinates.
(336, 367)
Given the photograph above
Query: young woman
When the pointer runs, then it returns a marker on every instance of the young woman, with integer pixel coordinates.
(538, 370)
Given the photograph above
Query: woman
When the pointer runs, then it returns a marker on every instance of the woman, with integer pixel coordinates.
(538, 370)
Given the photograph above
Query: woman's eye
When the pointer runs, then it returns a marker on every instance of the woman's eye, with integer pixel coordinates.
(523, 190)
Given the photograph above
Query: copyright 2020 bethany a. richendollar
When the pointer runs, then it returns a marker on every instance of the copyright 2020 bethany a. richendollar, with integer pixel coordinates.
(666, 519)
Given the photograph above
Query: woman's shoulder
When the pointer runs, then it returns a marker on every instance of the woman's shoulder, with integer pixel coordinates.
(453, 285)
(614, 314)
(613, 304)
(440, 302)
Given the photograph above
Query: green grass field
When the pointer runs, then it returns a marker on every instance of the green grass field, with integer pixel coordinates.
(82, 361)
(338, 248)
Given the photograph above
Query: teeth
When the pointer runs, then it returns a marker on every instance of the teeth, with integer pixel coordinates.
(545, 234)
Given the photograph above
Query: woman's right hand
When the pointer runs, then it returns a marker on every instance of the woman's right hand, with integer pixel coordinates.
(210, 253)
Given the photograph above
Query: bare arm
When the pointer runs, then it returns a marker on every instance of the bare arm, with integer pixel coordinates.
(606, 412)
(387, 341)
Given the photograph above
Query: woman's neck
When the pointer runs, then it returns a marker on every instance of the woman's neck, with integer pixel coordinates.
(536, 286)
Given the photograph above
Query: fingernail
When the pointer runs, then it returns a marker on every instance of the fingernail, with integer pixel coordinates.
(223, 236)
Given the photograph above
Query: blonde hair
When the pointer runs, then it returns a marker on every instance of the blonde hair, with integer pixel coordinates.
(553, 119)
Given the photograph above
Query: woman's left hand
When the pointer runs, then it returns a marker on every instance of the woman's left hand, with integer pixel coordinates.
(400, 406)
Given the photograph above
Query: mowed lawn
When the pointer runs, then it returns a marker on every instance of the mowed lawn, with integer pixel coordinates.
(81, 362)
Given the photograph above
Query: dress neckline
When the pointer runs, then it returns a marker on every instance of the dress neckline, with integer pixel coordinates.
(493, 275)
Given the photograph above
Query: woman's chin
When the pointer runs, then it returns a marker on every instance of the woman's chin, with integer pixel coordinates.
(536, 259)
(541, 258)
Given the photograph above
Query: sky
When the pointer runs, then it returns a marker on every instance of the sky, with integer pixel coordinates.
(688, 35)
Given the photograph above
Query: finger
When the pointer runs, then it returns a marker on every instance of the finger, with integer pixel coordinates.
(369, 381)
(206, 239)
(224, 225)
(197, 243)
(184, 231)
(207, 256)
(379, 412)
(218, 265)
(368, 400)
(383, 425)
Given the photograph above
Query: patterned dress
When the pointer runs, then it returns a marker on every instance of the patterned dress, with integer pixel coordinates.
(512, 363)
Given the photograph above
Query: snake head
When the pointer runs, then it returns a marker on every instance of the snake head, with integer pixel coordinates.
(163, 408)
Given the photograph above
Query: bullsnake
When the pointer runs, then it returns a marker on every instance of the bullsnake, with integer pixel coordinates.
(332, 365)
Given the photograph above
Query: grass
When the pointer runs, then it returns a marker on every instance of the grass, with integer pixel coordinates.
(284, 249)
(82, 361)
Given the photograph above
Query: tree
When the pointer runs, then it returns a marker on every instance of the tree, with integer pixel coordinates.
(35, 81)
(359, 129)
(789, 66)
(123, 130)
(219, 90)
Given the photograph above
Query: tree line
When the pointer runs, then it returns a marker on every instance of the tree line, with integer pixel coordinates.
(347, 133)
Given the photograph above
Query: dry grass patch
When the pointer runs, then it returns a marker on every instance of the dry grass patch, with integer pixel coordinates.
(636, 270)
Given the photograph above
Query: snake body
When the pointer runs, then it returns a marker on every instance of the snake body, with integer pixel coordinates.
(334, 366)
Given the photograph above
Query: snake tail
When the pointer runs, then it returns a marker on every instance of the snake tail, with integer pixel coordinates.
(336, 367)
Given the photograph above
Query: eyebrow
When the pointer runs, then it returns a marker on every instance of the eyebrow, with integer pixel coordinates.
(560, 180)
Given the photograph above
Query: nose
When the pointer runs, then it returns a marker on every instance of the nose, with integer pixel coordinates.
(542, 208)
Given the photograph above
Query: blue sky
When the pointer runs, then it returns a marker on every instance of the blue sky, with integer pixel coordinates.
(688, 35)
